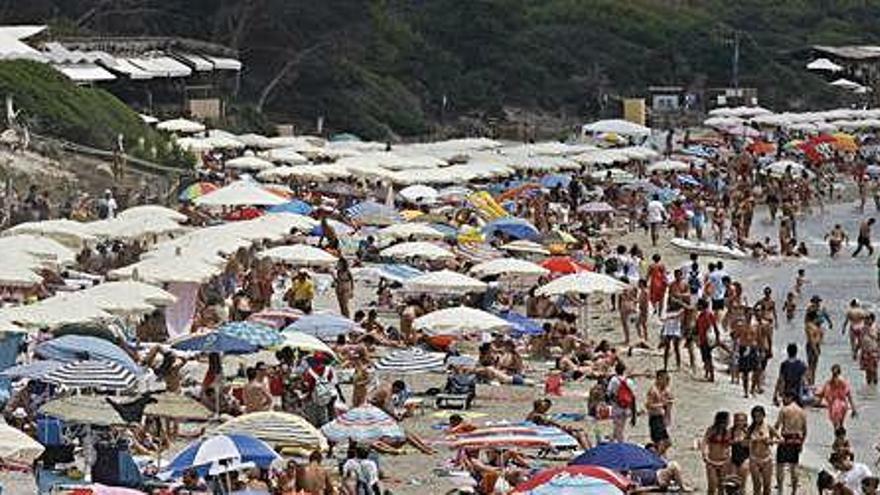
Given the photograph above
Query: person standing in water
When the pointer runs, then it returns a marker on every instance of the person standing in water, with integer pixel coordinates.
(836, 239)
(864, 238)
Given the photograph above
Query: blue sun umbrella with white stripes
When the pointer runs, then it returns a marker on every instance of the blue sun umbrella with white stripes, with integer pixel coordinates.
(411, 362)
(326, 327)
(254, 333)
(362, 424)
(217, 449)
(215, 342)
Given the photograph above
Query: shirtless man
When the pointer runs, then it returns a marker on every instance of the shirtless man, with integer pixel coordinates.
(854, 319)
(749, 359)
(659, 406)
(627, 308)
(792, 427)
(836, 239)
(679, 298)
(864, 239)
(765, 308)
(765, 352)
(815, 335)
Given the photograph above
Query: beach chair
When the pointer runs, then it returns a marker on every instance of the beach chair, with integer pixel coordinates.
(458, 393)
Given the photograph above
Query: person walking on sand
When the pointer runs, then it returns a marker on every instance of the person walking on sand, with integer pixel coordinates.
(761, 437)
(622, 396)
(715, 448)
(344, 282)
(659, 406)
(657, 283)
(868, 350)
(864, 238)
(656, 215)
(837, 395)
(792, 427)
(791, 376)
(854, 319)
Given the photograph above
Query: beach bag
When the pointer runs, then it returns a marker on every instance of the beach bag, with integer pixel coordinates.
(625, 398)
(324, 391)
(553, 384)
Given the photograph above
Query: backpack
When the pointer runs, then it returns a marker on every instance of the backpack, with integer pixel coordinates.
(625, 398)
(324, 391)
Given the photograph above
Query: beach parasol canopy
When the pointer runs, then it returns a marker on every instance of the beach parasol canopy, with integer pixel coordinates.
(411, 362)
(240, 193)
(516, 228)
(372, 213)
(504, 441)
(94, 409)
(276, 317)
(296, 206)
(563, 265)
(668, 166)
(419, 194)
(97, 375)
(290, 156)
(326, 327)
(617, 126)
(446, 282)
(410, 231)
(596, 207)
(183, 126)
(41, 248)
(583, 283)
(67, 232)
(71, 348)
(845, 84)
(253, 333)
(126, 297)
(204, 453)
(509, 267)
(248, 163)
(528, 247)
(197, 190)
(16, 446)
(461, 319)
(824, 64)
(151, 211)
(363, 424)
(574, 480)
(35, 370)
(619, 456)
(277, 429)
(780, 167)
(425, 250)
(215, 342)
(299, 255)
(304, 342)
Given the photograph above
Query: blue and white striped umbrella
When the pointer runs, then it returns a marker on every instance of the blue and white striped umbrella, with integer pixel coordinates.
(324, 326)
(411, 362)
(255, 333)
(202, 454)
(372, 213)
(99, 375)
(398, 272)
(69, 348)
(215, 342)
(362, 424)
(35, 370)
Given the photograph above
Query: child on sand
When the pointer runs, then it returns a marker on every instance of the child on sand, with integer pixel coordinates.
(789, 306)
(644, 310)
(800, 281)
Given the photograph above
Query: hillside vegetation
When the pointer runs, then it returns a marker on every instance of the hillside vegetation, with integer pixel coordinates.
(385, 67)
(52, 105)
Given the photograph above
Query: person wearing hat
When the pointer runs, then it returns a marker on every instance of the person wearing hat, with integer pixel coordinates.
(301, 292)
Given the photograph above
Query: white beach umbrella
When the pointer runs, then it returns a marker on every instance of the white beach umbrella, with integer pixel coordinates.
(411, 362)
(616, 175)
(457, 320)
(152, 211)
(53, 312)
(824, 64)
(36, 246)
(668, 166)
(67, 232)
(285, 155)
(582, 283)
(523, 246)
(424, 250)
(509, 267)
(126, 297)
(240, 193)
(249, 163)
(845, 84)
(255, 141)
(16, 446)
(194, 144)
(299, 255)
(419, 193)
(14, 274)
(779, 168)
(410, 230)
(180, 125)
(137, 227)
(444, 281)
(618, 126)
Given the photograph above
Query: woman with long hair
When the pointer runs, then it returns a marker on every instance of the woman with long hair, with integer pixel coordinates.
(761, 437)
(716, 451)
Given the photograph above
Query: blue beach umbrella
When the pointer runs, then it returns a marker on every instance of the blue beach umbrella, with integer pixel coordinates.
(512, 227)
(202, 454)
(619, 457)
(323, 326)
(215, 342)
(296, 206)
(254, 333)
(521, 324)
(555, 180)
(70, 348)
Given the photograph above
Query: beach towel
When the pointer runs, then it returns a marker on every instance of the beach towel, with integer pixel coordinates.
(179, 316)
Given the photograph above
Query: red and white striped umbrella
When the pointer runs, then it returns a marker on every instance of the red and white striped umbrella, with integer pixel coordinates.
(504, 441)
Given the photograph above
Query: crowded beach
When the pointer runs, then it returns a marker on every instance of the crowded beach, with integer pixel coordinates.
(627, 311)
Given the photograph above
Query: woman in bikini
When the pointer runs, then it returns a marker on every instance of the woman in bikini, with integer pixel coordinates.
(761, 438)
(739, 448)
(716, 451)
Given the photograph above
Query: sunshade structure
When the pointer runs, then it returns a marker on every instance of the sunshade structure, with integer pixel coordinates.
(583, 283)
(325, 327)
(668, 166)
(515, 228)
(411, 231)
(67, 232)
(823, 64)
(277, 429)
(197, 190)
(563, 265)
(215, 342)
(444, 282)
(596, 207)
(422, 250)
(35, 370)
(619, 456)
(781, 167)
(618, 126)
(372, 213)
(555, 437)
(18, 447)
(183, 126)
(55, 311)
(411, 362)
(493, 440)
(300, 255)
(574, 480)
(241, 193)
(249, 163)
(276, 317)
(203, 454)
(289, 156)
(305, 343)
(477, 252)
(71, 348)
(510, 267)
(458, 320)
(39, 247)
(392, 271)
(126, 297)
(93, 375)
(253, 333)
(296, 206)
(362, 424)
(94, 409)
(151, 211)
(527, 247)
(419, 194)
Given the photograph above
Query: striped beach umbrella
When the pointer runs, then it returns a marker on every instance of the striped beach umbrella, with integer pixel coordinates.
(69, 348)
(556, 437)
(362, 424)
(100, 375)
(575, 480)
(278, 429)
(326, 327)
(478, 252)
(411, 362)
(254, 333)
(202, 454)
(197, 190)
(276, 317)
(503, 441)
(215, 342)
(304, 342)
(372, 213)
